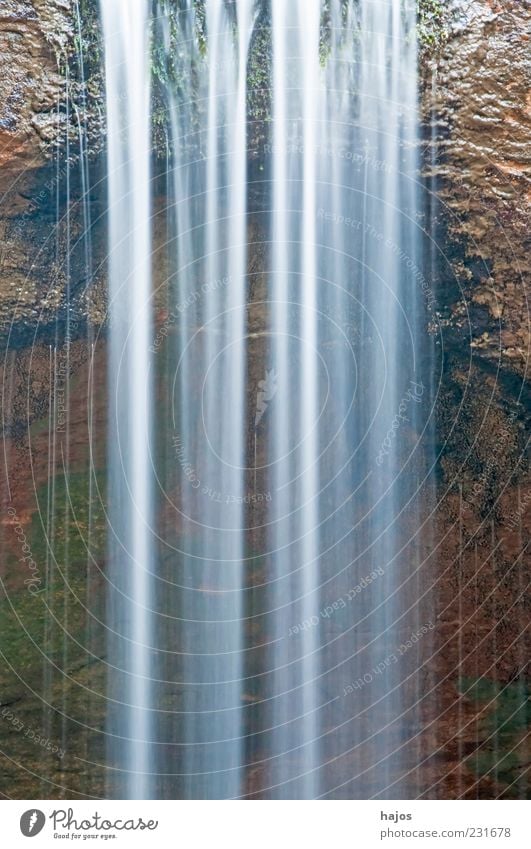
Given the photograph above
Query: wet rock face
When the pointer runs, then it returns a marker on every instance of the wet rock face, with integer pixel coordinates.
(479, 98)
(477, 127)
(480, 103)
(33, 33)
(50, 116)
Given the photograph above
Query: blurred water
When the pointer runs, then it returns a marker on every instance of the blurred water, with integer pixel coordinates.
(129, 621)
(255, 634)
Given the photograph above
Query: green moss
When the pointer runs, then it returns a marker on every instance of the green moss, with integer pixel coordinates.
(85, 60)
(432, 28)
(87, 39)
(259, 70)
(75, 504)
(51, 645)
(502, 753)
(62, 569)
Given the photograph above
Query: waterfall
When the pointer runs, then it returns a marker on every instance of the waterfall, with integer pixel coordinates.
(265, 546)
(293, 436)
(346, 316)
(208, 257)
(130, 512)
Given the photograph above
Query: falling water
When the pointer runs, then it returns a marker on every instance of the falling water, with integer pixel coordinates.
(127, 68)
(293, 437)
(262, 620)
(346, 310)
(210, 432)
(208, 254)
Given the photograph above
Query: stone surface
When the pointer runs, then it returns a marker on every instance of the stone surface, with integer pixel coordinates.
(34, 34)
(477, 113)
(479, 100)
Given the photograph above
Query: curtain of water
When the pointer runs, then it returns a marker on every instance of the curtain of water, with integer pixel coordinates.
(293, 435)
(127, 70)
(346, 309)
(339, 413)
(207, 101)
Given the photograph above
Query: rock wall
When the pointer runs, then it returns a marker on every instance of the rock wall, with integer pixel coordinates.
(476, 108)
(50, 113)
(477, 121)
(479, 95)
(34, 35)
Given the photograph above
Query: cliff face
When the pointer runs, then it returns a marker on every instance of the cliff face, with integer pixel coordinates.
(477, 114)
(479, 96)
(477, 122)
(33, 35)
(49, 115)
(478, 162)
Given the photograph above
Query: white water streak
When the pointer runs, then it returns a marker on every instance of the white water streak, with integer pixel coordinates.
(127, 64)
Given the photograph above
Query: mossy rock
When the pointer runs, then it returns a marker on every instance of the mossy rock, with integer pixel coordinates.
(503, 751)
